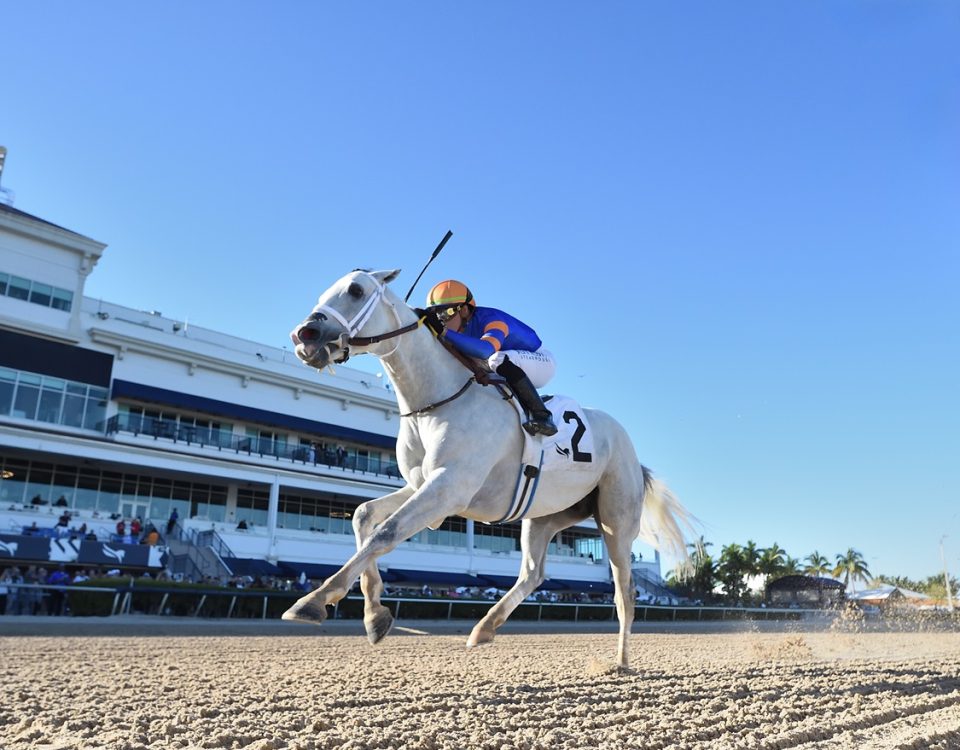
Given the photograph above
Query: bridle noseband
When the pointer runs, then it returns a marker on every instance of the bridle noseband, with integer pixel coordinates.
(359, 320)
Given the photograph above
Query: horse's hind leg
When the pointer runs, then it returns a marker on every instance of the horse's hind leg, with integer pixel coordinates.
(535, 536)
(619, 505)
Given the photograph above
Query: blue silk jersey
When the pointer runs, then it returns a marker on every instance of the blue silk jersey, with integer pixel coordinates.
(490, 330)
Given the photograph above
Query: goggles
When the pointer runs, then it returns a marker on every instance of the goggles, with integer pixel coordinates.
(445, 313)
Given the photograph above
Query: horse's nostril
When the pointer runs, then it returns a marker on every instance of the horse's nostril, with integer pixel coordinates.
(307, 334)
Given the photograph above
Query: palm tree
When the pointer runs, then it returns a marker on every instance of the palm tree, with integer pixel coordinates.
(818, 565)
(771, 560)
(731, 571)
(791, 566)
(751, 558)
(853, 568)
(770, 564)
(699, 577)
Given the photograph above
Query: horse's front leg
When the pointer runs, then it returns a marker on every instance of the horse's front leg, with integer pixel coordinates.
(440, 496)
(376, 618)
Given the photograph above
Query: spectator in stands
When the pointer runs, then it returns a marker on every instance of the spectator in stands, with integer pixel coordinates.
(58, 597)
(13, 598)
(61, 502)
(121, 528)
(32, 600)
(152, 537)
(80, 576)
(136, 526)
(341, 455)
(172, 522)
(4, 589)
(242, 526)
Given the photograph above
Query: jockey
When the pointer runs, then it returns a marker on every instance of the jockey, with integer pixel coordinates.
(511, 348)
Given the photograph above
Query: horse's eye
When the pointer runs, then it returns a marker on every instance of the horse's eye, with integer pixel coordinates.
(355, 290)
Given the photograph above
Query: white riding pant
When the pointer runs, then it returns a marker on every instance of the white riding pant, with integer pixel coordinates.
(539, 366)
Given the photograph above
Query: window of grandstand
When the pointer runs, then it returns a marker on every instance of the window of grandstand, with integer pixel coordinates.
(267, 442)
(208, 431)
(42, 398)
(138, 419)
(86, 488)
(252, 506)
(46, 295)
(327, 513)
(452, 533)
(497, 538)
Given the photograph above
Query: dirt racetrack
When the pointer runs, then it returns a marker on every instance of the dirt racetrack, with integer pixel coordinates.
(75, 688)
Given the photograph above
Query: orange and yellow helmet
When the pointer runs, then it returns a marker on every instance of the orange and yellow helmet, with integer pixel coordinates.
(449, 293)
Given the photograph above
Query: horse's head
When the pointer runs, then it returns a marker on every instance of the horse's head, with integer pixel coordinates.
(340, 314)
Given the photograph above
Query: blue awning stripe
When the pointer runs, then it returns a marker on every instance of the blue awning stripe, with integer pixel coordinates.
(248, 566)
(152, 394)
(592, 587)
(427, 576)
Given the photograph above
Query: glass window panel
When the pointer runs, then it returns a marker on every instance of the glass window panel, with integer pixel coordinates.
(18, 288)
(212, 511)
(25, 402)
(40, 294)
(96, 412)
(77, 389)
(109, 497)
(49, 407)
(62, 300)
(62, 491)
(162, 488)
(85, 499)
(7, 384)
(4, 280)
(73, 410)
(12, 489)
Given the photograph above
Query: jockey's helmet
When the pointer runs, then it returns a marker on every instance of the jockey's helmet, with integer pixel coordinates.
(449, 295)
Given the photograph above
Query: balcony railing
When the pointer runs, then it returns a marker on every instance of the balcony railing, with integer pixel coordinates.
(221, 440)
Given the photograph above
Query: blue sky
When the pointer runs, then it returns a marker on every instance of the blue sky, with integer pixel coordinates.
(734, 224)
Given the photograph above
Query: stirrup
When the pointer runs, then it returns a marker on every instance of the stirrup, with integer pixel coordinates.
(536, 427)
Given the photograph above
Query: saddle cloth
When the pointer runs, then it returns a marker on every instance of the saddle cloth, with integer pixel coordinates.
(571, 449)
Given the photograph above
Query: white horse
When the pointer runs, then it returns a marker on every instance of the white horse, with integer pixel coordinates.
(459, 450)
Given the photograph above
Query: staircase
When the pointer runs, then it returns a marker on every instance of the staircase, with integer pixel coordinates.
(654, 588)
(197, 555)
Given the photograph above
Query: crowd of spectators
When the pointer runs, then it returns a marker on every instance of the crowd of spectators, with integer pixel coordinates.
(66, 528)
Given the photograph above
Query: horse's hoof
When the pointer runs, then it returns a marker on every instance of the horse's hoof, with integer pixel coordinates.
(306, 612)
(378, 626)
(480, 638)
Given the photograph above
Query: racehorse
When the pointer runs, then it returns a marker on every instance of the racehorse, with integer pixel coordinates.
(458, 450)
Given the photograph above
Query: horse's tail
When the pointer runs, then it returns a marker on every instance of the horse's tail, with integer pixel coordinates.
(664, 521)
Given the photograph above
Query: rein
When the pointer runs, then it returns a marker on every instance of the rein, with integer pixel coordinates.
(367, 340)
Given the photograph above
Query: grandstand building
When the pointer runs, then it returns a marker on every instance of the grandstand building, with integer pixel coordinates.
(111, 413)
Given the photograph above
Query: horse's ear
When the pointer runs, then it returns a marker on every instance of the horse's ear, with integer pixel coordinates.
(385, 277)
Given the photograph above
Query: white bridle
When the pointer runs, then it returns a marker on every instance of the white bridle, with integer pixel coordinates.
(360, 319)
(356, 324)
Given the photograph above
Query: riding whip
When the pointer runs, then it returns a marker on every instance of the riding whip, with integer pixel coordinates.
(436, 252)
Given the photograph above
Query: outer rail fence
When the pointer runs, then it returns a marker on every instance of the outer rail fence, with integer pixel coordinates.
(238, 603)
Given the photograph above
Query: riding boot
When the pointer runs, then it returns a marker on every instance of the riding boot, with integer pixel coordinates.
(541, 421)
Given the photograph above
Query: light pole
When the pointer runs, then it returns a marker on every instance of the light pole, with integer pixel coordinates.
(946, 577)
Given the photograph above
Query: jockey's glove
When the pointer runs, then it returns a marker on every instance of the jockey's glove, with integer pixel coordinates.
(431, 321)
